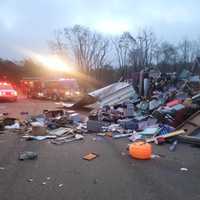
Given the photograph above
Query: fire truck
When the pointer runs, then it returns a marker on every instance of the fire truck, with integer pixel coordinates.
(56, 89)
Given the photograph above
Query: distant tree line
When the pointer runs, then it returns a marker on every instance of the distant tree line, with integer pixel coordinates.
(10, 70)
(107, 59)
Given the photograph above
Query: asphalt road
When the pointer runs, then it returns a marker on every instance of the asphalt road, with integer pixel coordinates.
(61, 173)
(33, 107)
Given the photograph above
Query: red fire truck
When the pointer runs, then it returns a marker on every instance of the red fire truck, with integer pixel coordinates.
(59, 89)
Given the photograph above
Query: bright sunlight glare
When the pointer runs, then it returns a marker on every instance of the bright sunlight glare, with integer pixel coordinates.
(53, 62)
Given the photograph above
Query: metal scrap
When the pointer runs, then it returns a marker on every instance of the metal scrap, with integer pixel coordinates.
(67, 139)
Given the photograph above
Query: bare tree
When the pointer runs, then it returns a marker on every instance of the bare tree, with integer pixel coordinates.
(195, 49)
(58, 45)
(88, 48)
(168, 53)
(91, 52)
(143, 53)
(147, 43)
(123, 45)
(185, 51)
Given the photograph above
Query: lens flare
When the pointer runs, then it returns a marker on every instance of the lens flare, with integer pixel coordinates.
(53, 62)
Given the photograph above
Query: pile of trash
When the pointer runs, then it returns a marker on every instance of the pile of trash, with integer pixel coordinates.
(60, 126)
(156, 113)
(164, 109)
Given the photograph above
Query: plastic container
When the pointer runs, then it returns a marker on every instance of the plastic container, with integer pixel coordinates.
(140, 150)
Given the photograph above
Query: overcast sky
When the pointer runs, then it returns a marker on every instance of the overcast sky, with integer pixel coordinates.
(29, 24)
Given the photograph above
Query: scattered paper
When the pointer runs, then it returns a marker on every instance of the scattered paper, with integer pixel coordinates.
(183, 169)
(60, 185)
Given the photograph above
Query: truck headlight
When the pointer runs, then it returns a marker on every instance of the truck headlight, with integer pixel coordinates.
(67, 93)
(40, 94)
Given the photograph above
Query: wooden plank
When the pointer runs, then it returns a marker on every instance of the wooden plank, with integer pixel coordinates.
(172, 134)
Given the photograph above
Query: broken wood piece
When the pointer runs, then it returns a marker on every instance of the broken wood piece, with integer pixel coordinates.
(109, 134)
(172, 134)
(71, 138)
(61, 131)
(90, 156)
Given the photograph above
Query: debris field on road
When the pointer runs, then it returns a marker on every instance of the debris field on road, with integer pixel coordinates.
(164, 110)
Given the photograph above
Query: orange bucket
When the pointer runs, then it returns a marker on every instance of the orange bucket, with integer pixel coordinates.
(140, 150)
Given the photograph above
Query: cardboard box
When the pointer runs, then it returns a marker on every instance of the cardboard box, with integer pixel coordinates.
(38, 129)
